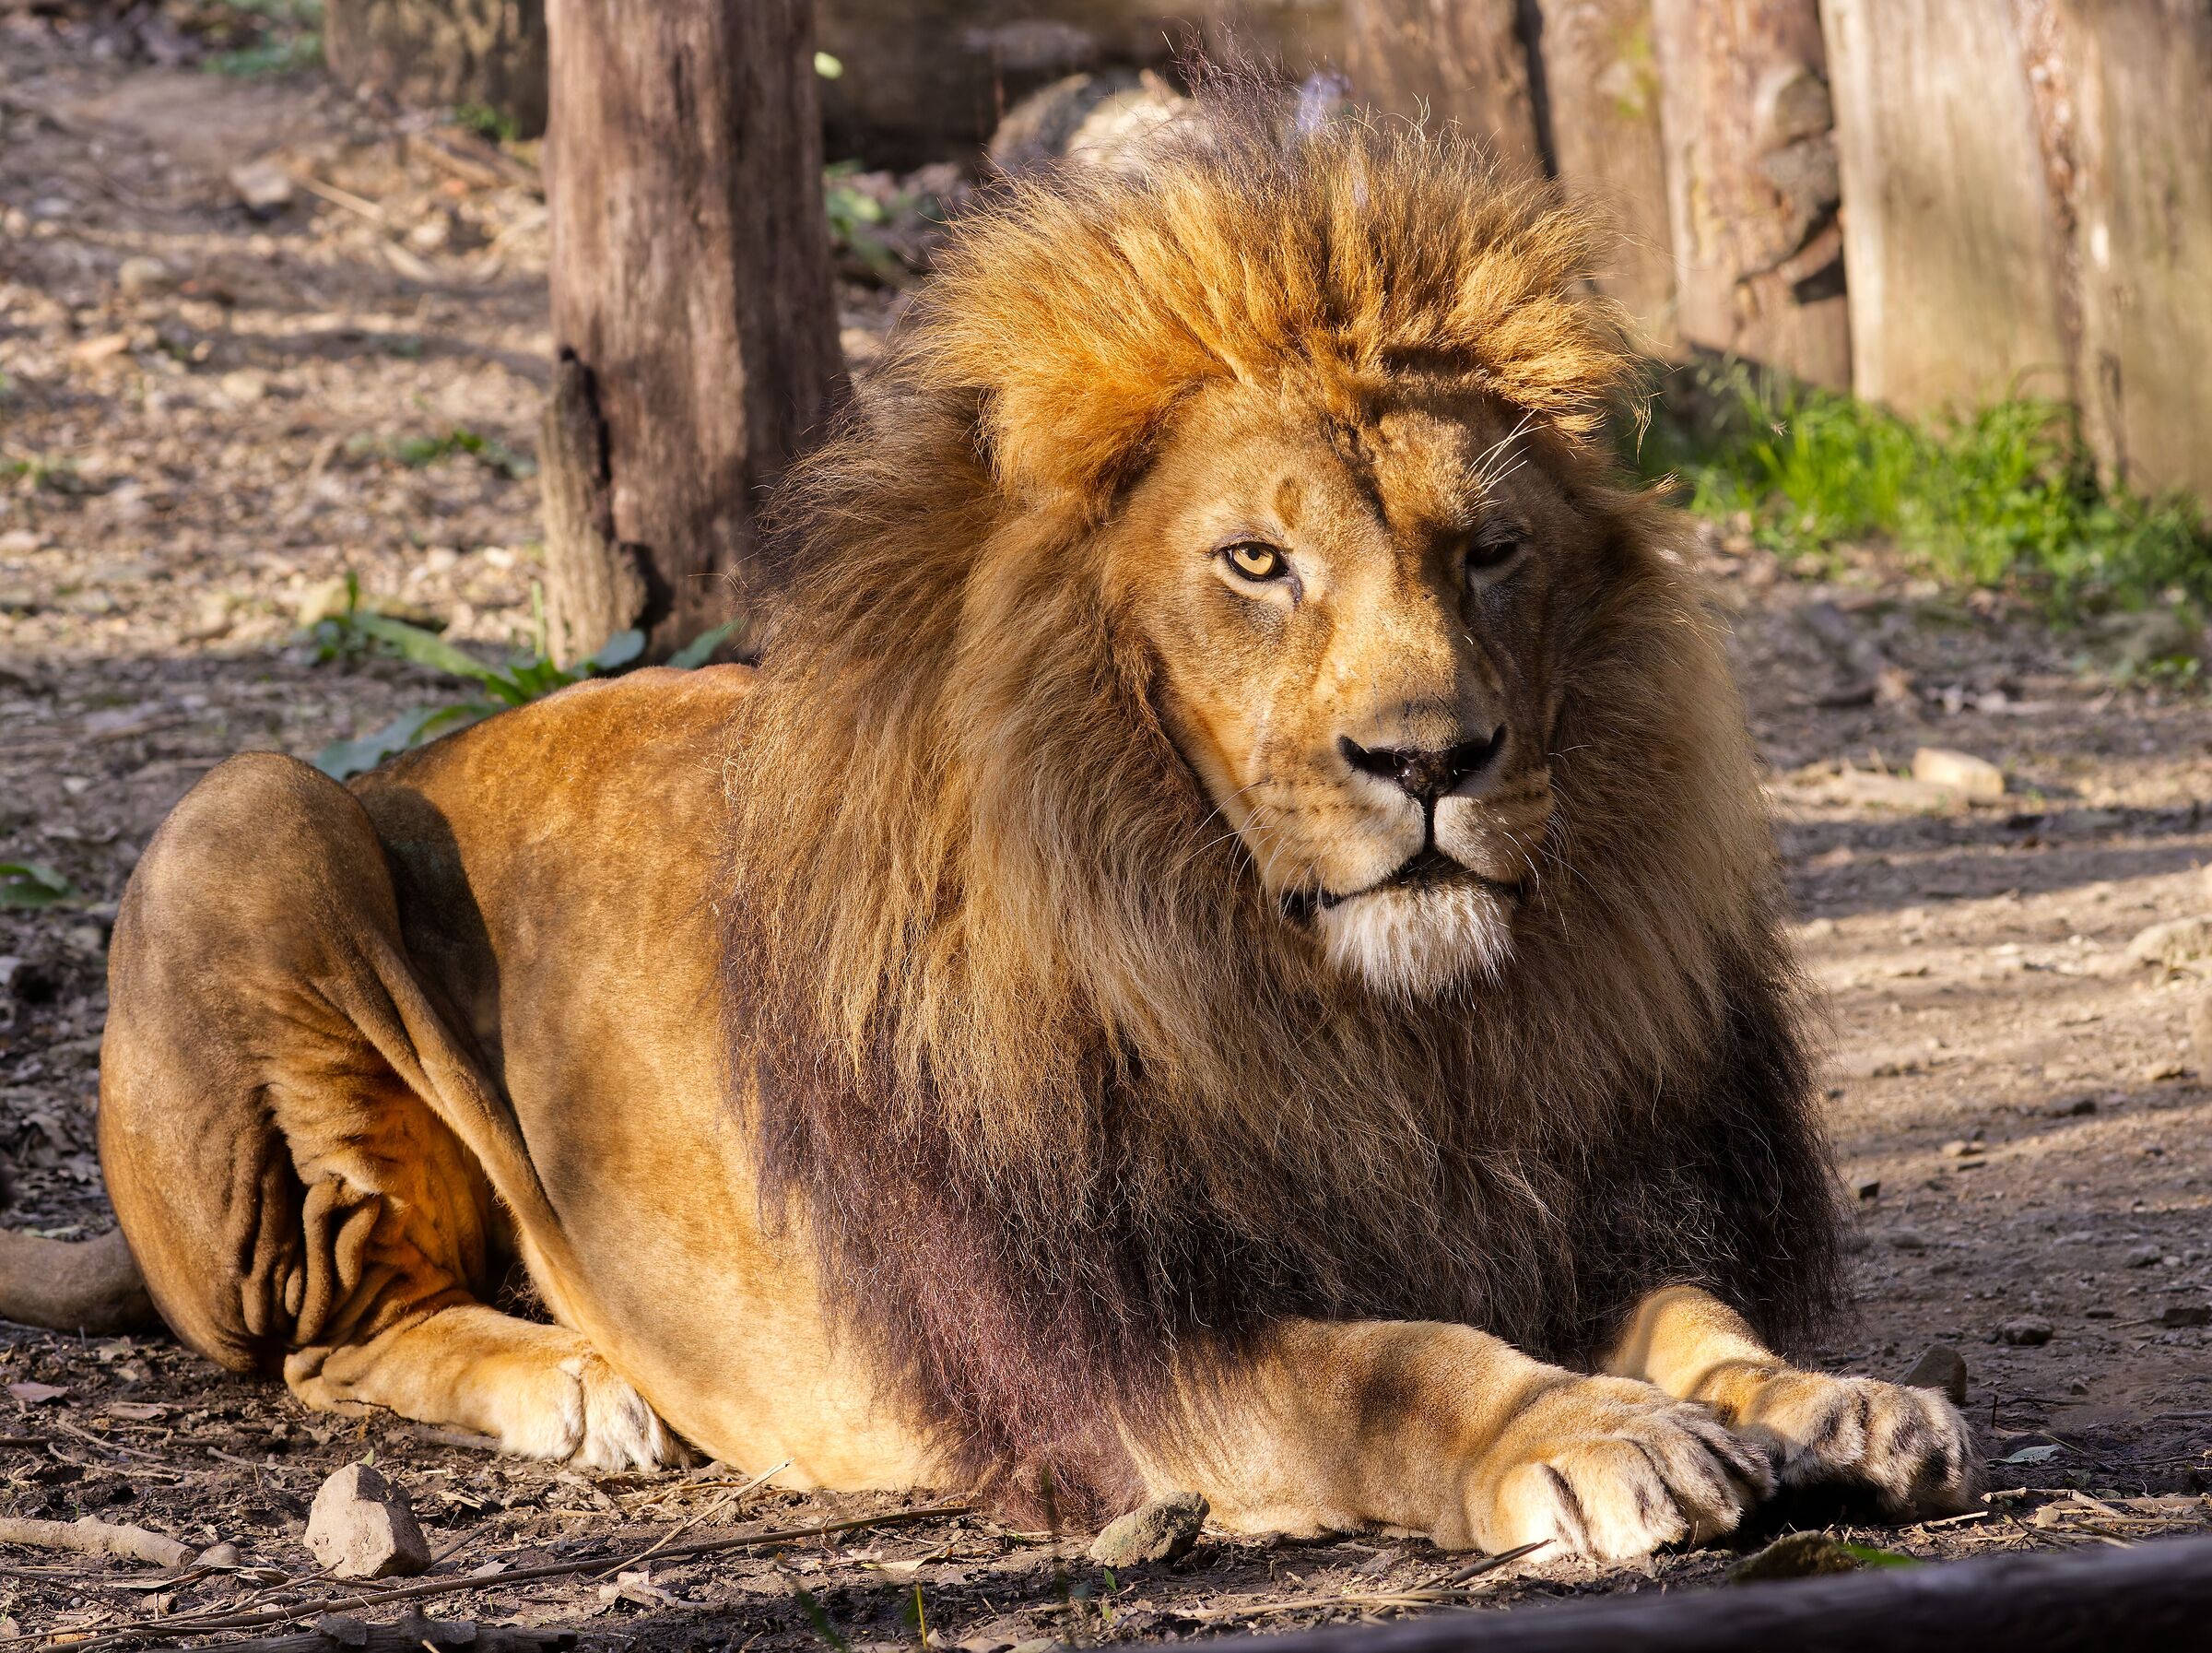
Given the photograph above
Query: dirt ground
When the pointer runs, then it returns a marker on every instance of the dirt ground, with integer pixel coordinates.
(193, 451)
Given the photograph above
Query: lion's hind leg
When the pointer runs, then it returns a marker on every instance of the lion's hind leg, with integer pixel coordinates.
(538, 1390)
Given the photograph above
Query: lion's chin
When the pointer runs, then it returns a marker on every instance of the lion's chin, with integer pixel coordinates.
(1418, 940)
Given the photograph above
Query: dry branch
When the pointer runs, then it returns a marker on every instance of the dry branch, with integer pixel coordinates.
(89, 1537)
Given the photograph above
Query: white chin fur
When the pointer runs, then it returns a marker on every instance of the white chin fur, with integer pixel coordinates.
(1416, 942)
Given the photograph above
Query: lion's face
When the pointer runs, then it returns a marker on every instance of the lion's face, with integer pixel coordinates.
(1354, 626)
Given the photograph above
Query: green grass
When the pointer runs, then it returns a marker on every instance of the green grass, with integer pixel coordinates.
(2005, 497)
(281, 37)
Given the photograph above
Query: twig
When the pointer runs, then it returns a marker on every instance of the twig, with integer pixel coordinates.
(90, 1537)
(1488, 1564)
(676, 1532)
(341, 197)
(180, 1624)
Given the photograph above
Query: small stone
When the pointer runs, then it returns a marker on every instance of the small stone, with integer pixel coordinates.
(1961, 1149)
(225, 1554)
(2174, 943)
(1963, 772)
(1907, 1239)
(1942, 1367)
(262, 186)
(2144, 1257)
(362, 1527)
(2154, 1073)
(1871, 1189)
(2186, 1314)
(1036, 1644)
(2026, 1333)
(245, 384)
(144, 278)
(1161, 1530)
(2071, 1109)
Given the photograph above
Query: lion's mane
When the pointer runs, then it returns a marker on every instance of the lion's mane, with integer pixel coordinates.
(1027, 1057)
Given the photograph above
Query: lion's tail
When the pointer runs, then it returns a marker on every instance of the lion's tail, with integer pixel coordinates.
(85, 1286)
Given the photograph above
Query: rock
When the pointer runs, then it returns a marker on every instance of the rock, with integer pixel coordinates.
(2186, 1314)
(2025, 1333)
(362, 1527)
(1796, 1555)
(1961, 1149)
(1098, 119)
(1942, 1367)
(1906, 1239)
(2144, 1257)
(263, 186)
(1963, 772)
(144, 278)
(1163, 1530)
(1871, 1189)
(244, 384)
(2174, 943)
(2073, 1108)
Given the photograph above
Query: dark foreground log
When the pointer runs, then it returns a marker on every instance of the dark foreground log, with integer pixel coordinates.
(2154, 1597)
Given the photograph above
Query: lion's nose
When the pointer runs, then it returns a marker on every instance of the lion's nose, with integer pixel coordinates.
(1428, 774)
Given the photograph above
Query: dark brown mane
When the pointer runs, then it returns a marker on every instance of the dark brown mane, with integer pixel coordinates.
(1032, 1065)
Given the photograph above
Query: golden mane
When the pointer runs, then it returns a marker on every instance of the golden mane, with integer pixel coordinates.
(1032, 1062)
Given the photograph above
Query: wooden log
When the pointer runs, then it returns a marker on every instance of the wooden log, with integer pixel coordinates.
(1456, 61)
(89, 1536)
(1951, 236)
(444, 52)
(92, 1287)
(1601, 81)
(691, 289)
(2146, 1600)
(2140, 73)
(1751, 182)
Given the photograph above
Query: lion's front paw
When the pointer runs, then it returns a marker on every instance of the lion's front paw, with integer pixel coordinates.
(1909, 1446)
(611, 1425)
(1611, 1468)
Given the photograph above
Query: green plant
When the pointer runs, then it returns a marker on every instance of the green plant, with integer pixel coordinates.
(528, 675)
(280, 37)
(855, 218)
(494, 126)
(2006, 496)
(34, 884)
(419, 453)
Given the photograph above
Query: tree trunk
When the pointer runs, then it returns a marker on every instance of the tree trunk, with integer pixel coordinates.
(1955, 251)
(1602, 85)
(1751, 182)
(1463, 62)
(443, 53)
(692, 307)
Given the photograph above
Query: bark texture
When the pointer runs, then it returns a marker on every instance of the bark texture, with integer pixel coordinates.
(437, 53)
(1752, 187)
(1463, 62)
(1601, 80)
(1950, 235)
(692, 306)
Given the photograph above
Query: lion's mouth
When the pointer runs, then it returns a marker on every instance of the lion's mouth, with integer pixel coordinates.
(1429, 867)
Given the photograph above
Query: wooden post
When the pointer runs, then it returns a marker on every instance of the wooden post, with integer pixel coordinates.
(1949, 234)
(1751, 182)
(1451, 61)
(2156, 1597)
(2139, 74)
(692, 306)
(1601, 81)
(444, 52)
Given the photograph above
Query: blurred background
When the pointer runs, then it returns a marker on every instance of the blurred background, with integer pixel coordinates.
(344, 398)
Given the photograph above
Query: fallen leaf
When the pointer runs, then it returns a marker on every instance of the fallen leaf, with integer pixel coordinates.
(35, 1394)
(2032, 1454)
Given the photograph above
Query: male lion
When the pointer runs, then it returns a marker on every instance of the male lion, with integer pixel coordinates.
(1231, 943)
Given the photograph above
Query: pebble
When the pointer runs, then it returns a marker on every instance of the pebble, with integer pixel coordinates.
(245, 384)
(1907, 1239)
(2174, 942)
(1963, 772)
(263, 186)
(2144, 1257)
(363, 1527)
(1961, 1149)
(2026, 1333)
(144, 278)
(1942, 1367)
(1161, 1530)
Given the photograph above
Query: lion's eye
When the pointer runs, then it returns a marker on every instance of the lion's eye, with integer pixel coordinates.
(1493, 552)
(1257, 562)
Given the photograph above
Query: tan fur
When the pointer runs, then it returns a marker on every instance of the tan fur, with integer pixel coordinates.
(1028, 1029)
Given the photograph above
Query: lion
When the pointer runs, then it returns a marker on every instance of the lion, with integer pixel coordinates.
(1230, 943)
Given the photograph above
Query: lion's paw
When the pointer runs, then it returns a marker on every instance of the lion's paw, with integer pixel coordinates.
(1909, 1446)
(1611, 1468)
(590, 1416)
